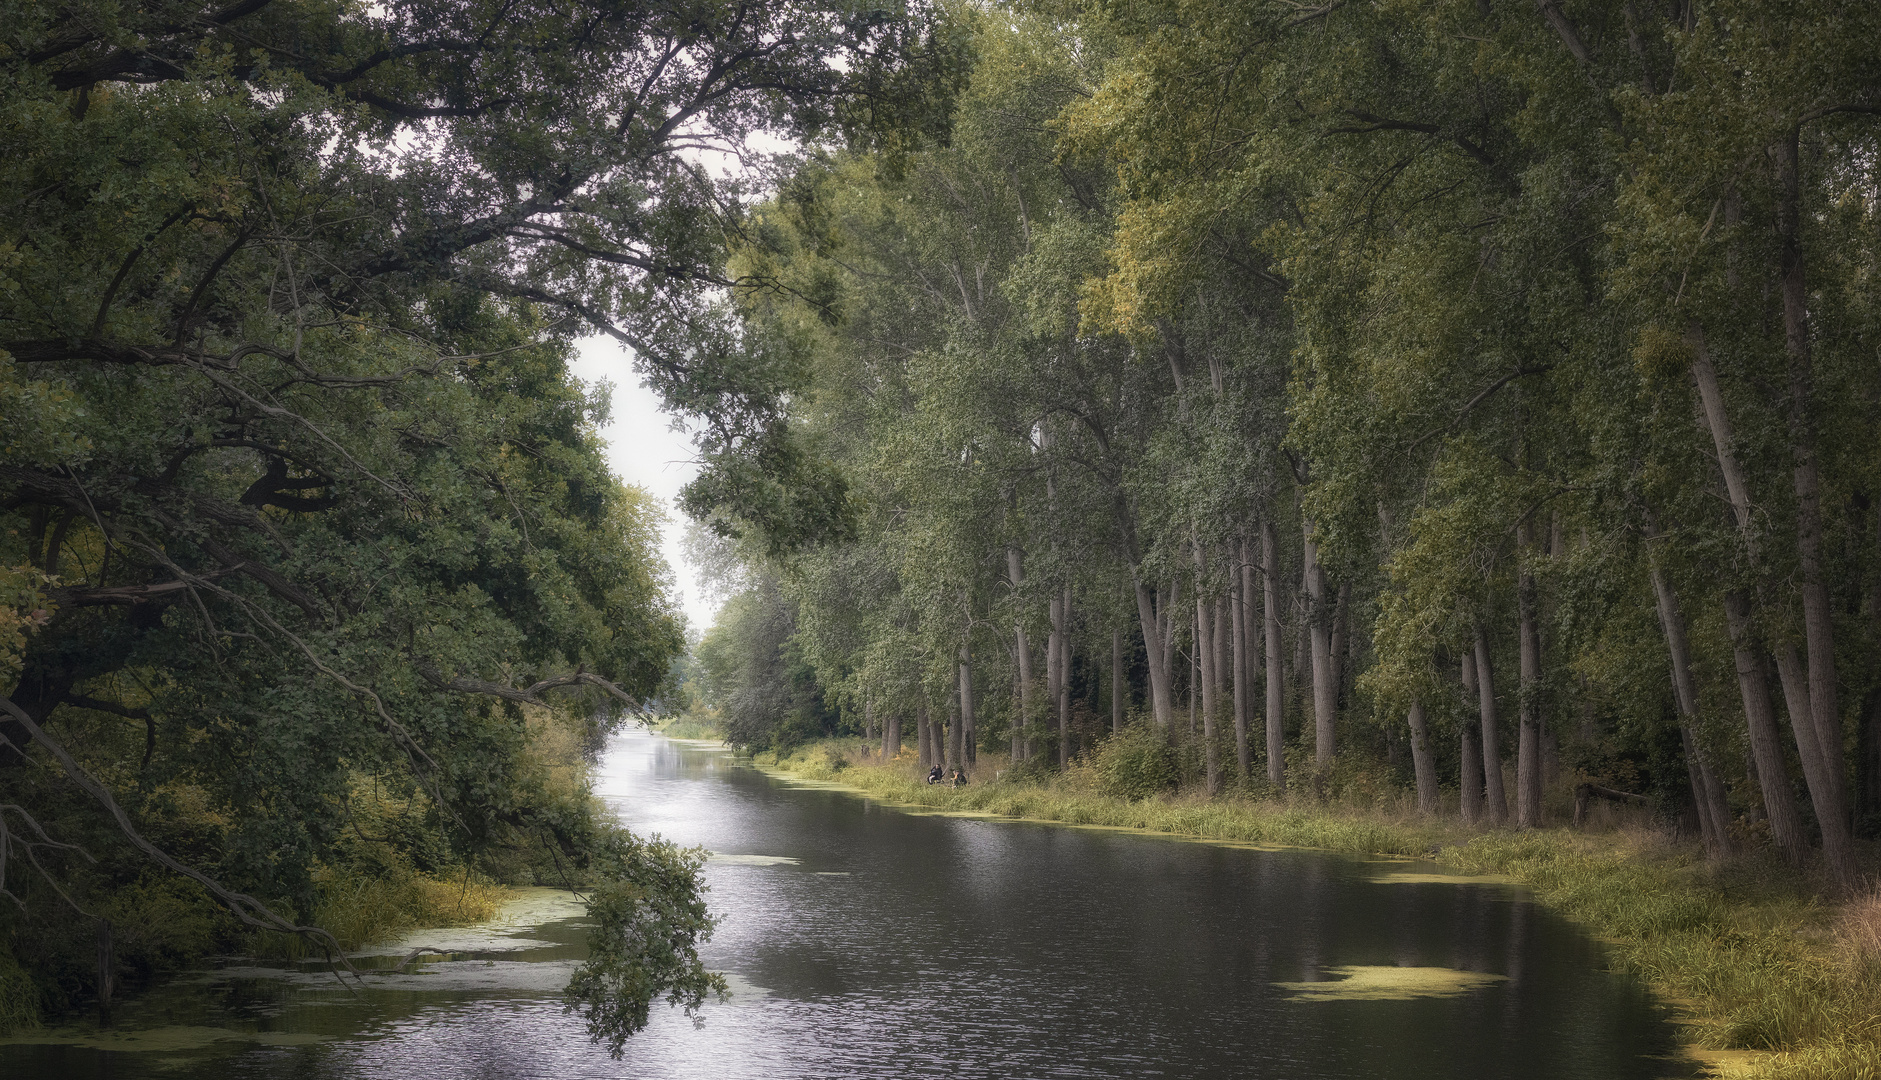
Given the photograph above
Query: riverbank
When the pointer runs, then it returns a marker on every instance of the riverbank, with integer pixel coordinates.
(1773, 982)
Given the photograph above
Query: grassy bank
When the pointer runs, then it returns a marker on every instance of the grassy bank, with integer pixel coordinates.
(1753, 959)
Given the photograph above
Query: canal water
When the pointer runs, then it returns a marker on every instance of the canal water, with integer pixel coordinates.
(866, 941)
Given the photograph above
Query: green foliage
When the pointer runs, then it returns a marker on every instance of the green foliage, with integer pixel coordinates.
(1135, 763)
(649, 919)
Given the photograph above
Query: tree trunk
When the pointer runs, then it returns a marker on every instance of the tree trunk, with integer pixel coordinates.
(1053, 676)
(1825, 782)
(1064, 680)
(969, 726)
(1766, 741)
(951, 738)
(924, 738)
(1495, 803)
(1470, 763)
(891, 737)
(1528, 747)
(1205, 654)
(1021, 747)
(1162, 703)
(1238, 629)
(1752, 672)
(1818, 616)
(1470, 780)
(1714, 814)
(1116, 680)
(1421, 761)
(1325, 687)
(1341, 643)
(1272, 676)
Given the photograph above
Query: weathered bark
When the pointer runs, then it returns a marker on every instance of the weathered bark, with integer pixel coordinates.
(1714, 815)
(1818, 616)
(891, 737)
(1319, 630)
(1272, 676)
(1205, 654)
(1021, 746)
(1116, 680)
(1237, 603)
(1422, 763)
(1495, 802)
(969, 726)
(1528, 745)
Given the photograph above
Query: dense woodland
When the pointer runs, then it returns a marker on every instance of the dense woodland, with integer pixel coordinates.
(1471, 397)
(314, 577)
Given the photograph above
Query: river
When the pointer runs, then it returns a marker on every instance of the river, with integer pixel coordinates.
(866, 941)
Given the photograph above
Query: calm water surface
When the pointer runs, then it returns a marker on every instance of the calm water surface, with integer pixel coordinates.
(864, 941)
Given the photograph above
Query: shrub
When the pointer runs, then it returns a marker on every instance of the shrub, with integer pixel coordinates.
(1135, 763)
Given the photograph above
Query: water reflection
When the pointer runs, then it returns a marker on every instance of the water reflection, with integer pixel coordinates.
(866, 942)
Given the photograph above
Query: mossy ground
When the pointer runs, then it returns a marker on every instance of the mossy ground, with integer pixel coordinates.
(1753, 957)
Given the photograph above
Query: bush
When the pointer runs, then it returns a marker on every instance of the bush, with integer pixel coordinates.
(1135, 763)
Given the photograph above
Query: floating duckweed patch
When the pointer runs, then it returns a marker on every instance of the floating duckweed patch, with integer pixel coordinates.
(1411, 878)
(752, 860)
(1361, 983)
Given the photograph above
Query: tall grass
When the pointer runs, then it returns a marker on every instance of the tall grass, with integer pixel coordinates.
(1753, 957)
(19, 997)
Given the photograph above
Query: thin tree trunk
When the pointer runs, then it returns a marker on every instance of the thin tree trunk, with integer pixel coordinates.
(1825, 785)
(1237, 603)
(1495, 803)
(1528, 748)
(1752, 672)
(1421, 761)
(1273, 676)
(1341, 642)
(1818, 616)
(1205, 654)
(951, 739)
(1021, 745)
(1064, 680)
(1714, 815)
(924, 738)
(1766, 740)
(1162, 705)
(1054, 668)
(1470, 760)
(1116, 680)
(969, 727)
(891, 737)
(1325, 688)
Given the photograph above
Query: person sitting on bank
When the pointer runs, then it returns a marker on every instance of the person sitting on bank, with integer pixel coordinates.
(960, 778)
(934, 775)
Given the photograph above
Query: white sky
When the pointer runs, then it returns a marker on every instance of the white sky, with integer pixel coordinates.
(644, 450)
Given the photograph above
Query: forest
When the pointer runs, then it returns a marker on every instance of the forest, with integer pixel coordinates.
(1319, 400)
(1473, 399)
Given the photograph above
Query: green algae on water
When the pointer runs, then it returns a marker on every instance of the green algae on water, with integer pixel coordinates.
(1362, 983)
